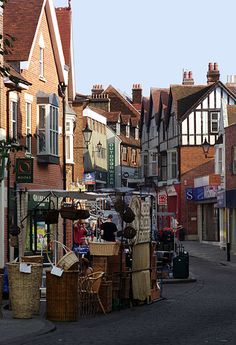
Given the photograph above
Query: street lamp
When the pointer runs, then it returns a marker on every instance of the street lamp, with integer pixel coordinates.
(87, 133)
(99, 146)
(205, 147)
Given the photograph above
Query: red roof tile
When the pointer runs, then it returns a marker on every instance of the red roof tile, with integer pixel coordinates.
(129, 141)
(20, 20)
(64, 16)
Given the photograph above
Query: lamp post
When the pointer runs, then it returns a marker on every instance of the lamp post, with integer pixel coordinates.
(87, 133)
(99, 148)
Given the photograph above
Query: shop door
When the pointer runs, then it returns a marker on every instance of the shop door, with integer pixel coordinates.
(210, 223)
(38, 234)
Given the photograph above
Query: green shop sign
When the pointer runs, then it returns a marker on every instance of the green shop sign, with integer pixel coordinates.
(24, 170)
(111, 165)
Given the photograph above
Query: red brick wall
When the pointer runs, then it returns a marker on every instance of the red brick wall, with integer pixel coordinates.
(230, 141)
(192, 164)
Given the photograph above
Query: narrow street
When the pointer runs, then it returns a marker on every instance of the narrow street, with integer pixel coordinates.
(202, 312)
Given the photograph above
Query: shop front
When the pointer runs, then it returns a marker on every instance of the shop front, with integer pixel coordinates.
(207, 211)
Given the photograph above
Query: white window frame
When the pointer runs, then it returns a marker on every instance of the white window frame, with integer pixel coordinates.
(69, 141)
(134, 156)
(136, 133)
(50, 129)
(154, 163)
(124, 154)
(13, 98)
(172, 164)
(127, 130)
(41, 62)
(28, 120)
(118, 128)
(214, 121)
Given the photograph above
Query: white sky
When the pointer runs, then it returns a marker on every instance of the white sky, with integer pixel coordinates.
(122, 42)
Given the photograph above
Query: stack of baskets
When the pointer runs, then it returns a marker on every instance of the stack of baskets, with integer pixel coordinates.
(24, 289)
(104, 248)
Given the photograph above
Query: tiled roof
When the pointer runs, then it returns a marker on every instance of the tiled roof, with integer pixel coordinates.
(134, 121)
(125, 119)
(111, 90)
(64, 15)
(111, 116)
(21, 18)
(185, 96)
(129, 141)
(232, 88)
(162, 104)
(15, 76)
(231, 110)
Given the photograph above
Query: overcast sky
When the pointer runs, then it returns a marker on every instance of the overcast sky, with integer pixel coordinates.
(122, 42)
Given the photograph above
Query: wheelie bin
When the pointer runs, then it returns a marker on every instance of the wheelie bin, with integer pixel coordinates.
(181, 266)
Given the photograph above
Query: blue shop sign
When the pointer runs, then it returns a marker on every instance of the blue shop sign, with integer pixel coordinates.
(221, 199)
(194, 194)
(89, 178)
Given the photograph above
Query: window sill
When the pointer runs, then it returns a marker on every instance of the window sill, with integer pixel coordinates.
(42, 78)
(48, 159)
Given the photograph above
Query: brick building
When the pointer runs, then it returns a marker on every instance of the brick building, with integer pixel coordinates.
(32, 115)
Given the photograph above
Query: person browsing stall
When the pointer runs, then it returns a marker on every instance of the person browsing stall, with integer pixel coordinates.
(109, 229)
(79, 233)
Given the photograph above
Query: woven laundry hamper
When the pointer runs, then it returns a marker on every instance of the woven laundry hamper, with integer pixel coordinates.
(24, 289)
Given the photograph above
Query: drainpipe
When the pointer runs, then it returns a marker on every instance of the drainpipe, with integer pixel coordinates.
(62, 92)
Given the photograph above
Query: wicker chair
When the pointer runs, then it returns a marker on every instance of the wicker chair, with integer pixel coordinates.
(89, 293)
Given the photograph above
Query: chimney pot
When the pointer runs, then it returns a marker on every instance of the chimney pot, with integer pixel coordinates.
(210, 66)
(215, 66)
(190, 74)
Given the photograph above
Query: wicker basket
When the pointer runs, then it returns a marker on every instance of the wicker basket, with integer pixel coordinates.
(62, 296)
(68, 261)
(24, 290)
(104, 248)
(38, 259)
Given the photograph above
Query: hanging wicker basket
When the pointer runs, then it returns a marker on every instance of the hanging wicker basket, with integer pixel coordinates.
(72, 212)
(104, 248)
(128, 215)
(129, 232)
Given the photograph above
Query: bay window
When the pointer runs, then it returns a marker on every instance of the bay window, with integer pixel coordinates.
(48, 130)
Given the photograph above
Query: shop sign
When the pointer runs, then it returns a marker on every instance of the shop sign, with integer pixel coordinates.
(24, 170)
(162, 199)
(221, 199)
(38, 201)
(210, 192)
(89, 178)
(111, 164)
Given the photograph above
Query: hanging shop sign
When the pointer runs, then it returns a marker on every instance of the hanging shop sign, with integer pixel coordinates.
(89, 178)
(24, 170)
(162, 198)
(111, 165)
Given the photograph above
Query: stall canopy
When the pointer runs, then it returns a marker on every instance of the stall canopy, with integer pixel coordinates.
(57, 193)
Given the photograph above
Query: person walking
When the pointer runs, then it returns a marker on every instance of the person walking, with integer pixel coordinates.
(109, 230)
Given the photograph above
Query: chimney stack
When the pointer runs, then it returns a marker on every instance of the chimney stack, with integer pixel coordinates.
(137, 94)
(213, 74)
(97, 89)
(188, 78)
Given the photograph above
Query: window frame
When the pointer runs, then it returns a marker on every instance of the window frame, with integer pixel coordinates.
(214, 121)
(28, 126)
(51, 129)
(14, 119)
(172, 165)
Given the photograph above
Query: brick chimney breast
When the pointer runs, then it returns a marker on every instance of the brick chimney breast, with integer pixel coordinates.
(137, 94)
(213, 74)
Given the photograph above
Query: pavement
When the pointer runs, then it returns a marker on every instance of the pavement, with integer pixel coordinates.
(15, 331)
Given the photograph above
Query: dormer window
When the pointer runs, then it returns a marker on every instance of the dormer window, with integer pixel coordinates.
(127, 130)
(136, 133)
